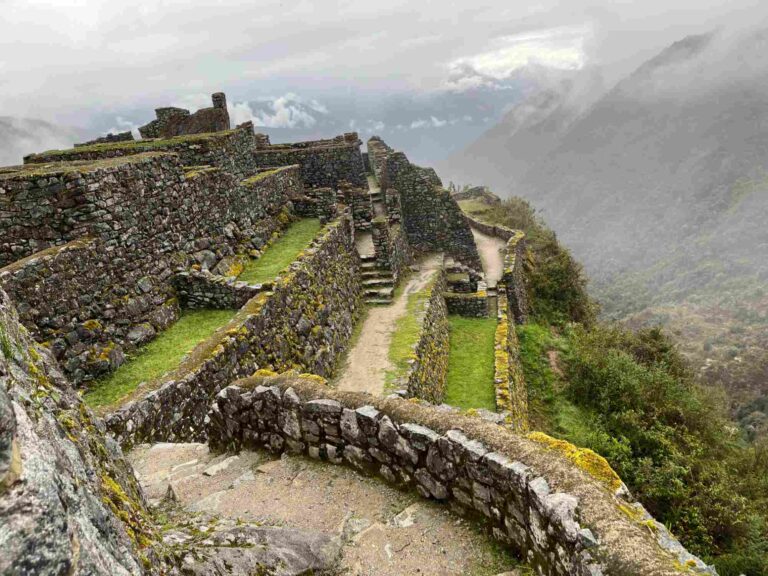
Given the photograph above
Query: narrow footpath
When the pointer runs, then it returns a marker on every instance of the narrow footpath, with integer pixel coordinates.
(491, 251)
(368, 361)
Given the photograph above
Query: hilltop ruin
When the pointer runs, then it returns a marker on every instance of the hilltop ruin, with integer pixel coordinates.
(104, 247)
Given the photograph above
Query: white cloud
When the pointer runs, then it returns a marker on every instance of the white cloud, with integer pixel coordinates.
(123, 125)
(376, 125)
(558, 48)
(432, 122)
(287, 111)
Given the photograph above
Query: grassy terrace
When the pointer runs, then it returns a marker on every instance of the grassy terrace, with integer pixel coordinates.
(280, 254)
(161, 355)
(470, 363)
(166, 352)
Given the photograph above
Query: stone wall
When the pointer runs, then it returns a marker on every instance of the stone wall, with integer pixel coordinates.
(540, 498)
(359, 201)
(324, 163)
(432, 219)
(138, 221)
(513, 281)
(377, 153)
(202, 289)
(427, 373)
(304, 323)
(229, 150)
(469, 304)
(508, 377)
(391, 248)
(172, 121)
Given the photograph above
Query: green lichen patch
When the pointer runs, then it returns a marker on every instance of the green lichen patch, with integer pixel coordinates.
(261, 176)
(159, 356)
(279, 255)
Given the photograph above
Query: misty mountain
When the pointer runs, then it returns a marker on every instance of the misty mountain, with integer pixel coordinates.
(21, 136)
(660, 187)
(657, 171)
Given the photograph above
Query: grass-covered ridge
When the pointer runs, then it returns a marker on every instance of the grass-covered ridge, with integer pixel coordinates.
(161, 355)
(285, 250)
(469, 383)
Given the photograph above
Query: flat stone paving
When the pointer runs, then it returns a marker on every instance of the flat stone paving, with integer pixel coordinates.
(384, 531)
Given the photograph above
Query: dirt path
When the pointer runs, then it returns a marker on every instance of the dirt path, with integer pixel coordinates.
(491, 251)
(384, 531)
(368, 362)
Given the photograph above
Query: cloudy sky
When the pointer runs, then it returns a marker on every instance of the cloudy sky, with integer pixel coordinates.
(443, 70)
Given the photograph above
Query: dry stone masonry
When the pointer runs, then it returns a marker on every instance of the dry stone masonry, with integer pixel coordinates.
(303, 322)
(534, 501)
(432, 219)
(102, 245)
(324, 163)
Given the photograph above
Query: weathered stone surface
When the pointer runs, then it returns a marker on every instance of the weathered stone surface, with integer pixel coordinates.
(245, 550)
(522, 509)
(324, 163)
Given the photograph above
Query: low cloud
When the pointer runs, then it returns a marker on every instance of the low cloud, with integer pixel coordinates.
(557, 48)
(287, 111)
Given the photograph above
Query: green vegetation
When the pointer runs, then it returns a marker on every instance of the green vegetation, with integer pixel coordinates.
(632, 398)
(470, 363)
(406, 336)
(280, 254)
(161, 355)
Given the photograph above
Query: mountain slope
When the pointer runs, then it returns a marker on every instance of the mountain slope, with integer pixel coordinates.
(661, 189)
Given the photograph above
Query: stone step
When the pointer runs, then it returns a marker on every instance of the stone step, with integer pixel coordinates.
(376, 273)
(366, 258)
(379, 293)
(378, 301)
(370, 267)
(383, 282)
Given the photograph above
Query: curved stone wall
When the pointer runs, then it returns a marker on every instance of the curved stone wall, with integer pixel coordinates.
(564, 516)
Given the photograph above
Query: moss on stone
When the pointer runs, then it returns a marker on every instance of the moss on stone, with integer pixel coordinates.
(587, 460)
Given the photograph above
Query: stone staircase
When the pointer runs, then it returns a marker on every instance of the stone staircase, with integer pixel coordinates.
(378, 283)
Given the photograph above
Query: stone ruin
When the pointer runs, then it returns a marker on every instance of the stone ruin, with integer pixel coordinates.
(101, 246)
(173, 121)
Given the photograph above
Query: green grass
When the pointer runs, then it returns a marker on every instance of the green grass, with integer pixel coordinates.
(280, 254)
(405, 337)
(161, 355)
(470, 363)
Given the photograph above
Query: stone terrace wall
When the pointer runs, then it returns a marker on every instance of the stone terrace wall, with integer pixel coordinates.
(509, 379)
(432, 219)
(304, 323)
(201, 289)
(324, 163)
(545, 507)
(470, 304)
(377, 152)
(391, 247)
(427, 373)
(145, 219)
(229, 150)
(513, 281)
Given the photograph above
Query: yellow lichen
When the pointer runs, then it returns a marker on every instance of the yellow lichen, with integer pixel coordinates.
(584, 458)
